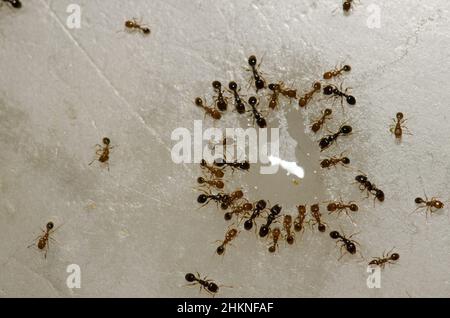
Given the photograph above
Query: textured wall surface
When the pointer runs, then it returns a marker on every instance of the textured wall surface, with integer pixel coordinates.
(136, 230)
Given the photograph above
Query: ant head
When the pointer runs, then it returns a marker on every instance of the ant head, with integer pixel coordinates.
(203, 163)
(248, 224)
(335, 234)
(327, 112)
(216, 84)
(276, 209)
(261, 205)
(252, 60)
(232, 85)
(201, 180)
(287, 219)
(353, 207)
(301, 209)
(317, 86)
(190, 277)
(399, 116)
(261, 122)
(247, 206)
(325, 163)
(361, 178)
(297, 227)
(244, 165)
(394, 256)
(252, 101)
(322, 227)
(290, 240)
(199, 102)
(346, 6)
(302, 102)
(315, 127)
(323, 143)
(345, 160)
(351, 100)
(332, 207)
(202, 198)
(272, 249)
(106, 141)
(263, 231)
(227, 216)
(49, 226)
(220, 250)
(146, 30)
(273, 87)
(351, 248)
(347, 68)
(328, 90)
(345, 129)
(213, 288)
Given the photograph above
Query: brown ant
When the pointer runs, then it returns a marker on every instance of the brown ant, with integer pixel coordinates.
(300, 219)
(350, 245)
(44, 239)
(385, 259)
(430, 205)
(260, 121)
(334, 161)
(214, 113)
(278, 89)
(337, 72)
(304, 100)
(243, 208)
(209, 285)
(134, 25)
(216, 172)
(257, 209)
(342, 207)
(287, 224)
(274, 211)
(259, 82)
(328, 140)
(336, 92)
(103, 152)
(221, 101)
(397, 127)
(213, 183)
(317, 125)
(365, 184)
(229, 236)
(230, 198)
(275, 234)
(238, 102)
(317, 217)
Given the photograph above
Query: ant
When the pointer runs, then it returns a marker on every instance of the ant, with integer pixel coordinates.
(256, 114)
(214, 113)
(103, 152)
(333, 161)
(14, 3)
(347, 242)
(134, 25)
(385, 259)
(300, 219)
(316, 215)
(44, 239)
(276, 234)
(397, 127)
(370, 187)
(327, 141)
(333, 90)
(221, 102)
(258, 208)
(304, 100)
(259, 82)
(209, 285)
(229, 236)
(206, 198)
(238, 102)
(430, 205)
(244, 208)
(337, 72)
(341, 206)
(278, 89)
(214, 183)
(287, 224)
(317, 125)
(230, 198)
(244, 165)
(216, 172)
(274, 211)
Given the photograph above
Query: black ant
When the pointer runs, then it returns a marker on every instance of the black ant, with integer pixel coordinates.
(397, 127)
(350, 245)
(260, 121)
(337, 72)
(315, 211)
(230, 198)
(243, 165)
(365, 184)
(333, 90)
(385, 259)
(134, 25)
(430, 205)
(342, 207)
(257, 209)
(275, 234)
(238, 102)
(214, 113)
(317, 125)
(14, 3)
(216, 172)
(287, 225)
(103, 152)
(44, 239)
(274, 211)
(333, 161)
(304, 100)
(205, 198)
(259, 82)
(243, 208)
(278, 89)
(221, 101)
(328, 140)
(209, 285)
(229, 236)
(300, 219)
(214, 183)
